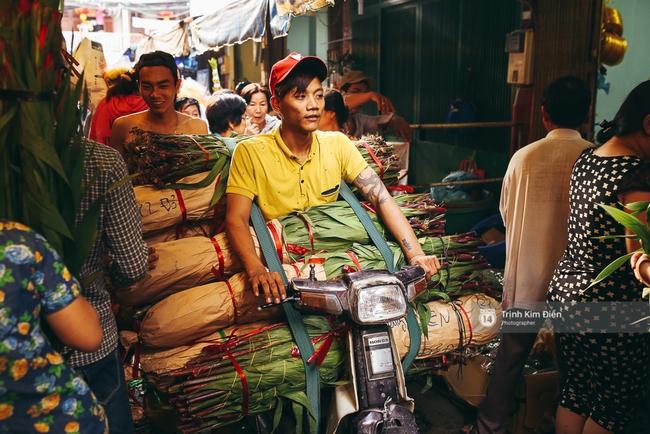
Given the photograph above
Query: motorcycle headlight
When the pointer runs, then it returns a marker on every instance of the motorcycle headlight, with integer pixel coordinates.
(378, 304)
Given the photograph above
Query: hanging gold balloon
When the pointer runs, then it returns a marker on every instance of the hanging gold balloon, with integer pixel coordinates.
(612, 21)
(612, 48)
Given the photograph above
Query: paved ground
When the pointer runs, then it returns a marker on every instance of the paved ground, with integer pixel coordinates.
(438, 412)
(445, 414)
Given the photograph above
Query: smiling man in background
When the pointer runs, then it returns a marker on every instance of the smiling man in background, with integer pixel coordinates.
(158, 80)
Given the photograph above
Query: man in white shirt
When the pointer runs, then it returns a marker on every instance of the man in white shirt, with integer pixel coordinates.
(535, 210)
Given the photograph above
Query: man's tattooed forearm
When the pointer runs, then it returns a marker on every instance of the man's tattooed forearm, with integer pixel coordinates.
(406, 244)
(376, 191)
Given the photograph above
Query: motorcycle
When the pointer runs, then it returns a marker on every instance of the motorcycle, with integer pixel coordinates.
(375, 401)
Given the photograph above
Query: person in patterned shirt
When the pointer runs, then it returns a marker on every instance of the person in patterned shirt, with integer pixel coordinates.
(119, 228)
(39, 391)
(608, 370)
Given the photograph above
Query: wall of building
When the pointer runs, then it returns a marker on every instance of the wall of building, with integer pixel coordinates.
(247, 66)
(308, 34)
(635, 66)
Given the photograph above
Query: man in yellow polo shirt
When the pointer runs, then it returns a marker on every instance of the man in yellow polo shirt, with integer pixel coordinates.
(295, 167)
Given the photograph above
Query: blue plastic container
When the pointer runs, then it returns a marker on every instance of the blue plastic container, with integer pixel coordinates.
(494, 253)
(461, 216)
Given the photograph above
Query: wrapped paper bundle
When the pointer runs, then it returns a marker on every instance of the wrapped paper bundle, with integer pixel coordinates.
(189, 262)
(199, 228)
(156, 362)
(170, 207)
(184, 264)
(470, 320)
(212, 393)
(184, 317)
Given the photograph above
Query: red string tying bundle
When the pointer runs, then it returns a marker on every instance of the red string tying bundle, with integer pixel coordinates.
(218, 273)
(375, 159)
(276, 239)
(207, 154)
(181, 228)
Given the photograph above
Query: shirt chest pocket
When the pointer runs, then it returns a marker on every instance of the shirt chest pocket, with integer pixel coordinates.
(331, 191)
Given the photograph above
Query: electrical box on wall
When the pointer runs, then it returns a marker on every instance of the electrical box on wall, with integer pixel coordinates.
(519, 45)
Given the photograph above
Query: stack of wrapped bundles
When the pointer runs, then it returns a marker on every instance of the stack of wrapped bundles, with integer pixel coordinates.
(182, 180)
(199, 294)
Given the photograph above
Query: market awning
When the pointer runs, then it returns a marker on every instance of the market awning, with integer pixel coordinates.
(230, 22)
(174, 41)
(238, 21)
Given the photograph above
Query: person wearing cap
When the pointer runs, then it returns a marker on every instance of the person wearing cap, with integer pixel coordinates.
(159, 84)
(296, 167)
(355, 87)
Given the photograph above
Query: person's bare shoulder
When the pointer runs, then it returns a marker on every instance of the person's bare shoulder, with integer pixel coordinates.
(129, 121)
(123, 126)
(189, 125)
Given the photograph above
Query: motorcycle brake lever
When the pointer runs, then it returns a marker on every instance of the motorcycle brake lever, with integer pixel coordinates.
(266, 306)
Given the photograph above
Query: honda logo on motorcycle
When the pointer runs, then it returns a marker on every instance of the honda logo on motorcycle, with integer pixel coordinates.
(382, 340)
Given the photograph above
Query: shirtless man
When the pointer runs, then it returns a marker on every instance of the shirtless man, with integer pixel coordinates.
(159, 83)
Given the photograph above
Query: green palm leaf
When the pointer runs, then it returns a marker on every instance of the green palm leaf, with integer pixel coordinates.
(41, 146)
(630, 222)
(607, 271)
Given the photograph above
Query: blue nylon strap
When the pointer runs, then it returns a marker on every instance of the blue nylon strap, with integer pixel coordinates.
(298, 329)
(387, 254)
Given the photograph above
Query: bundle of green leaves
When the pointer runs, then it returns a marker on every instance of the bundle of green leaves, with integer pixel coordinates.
(42, 149)
(159, 158)
(212, 392)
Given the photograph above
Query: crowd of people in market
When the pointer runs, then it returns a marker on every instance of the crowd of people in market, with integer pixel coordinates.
(296, 126)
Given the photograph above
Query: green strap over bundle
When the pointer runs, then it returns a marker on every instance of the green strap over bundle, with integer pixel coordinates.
(298, 329)
(294, 317)
(382, 245)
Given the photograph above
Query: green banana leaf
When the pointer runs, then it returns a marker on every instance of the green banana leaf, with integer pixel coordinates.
(632, 223)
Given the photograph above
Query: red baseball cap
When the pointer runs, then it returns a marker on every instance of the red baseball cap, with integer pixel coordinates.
(283, 68)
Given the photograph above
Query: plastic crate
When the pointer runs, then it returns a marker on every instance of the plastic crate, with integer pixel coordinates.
(494, 253)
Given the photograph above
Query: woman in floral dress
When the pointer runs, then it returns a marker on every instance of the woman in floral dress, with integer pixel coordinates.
(39, 392)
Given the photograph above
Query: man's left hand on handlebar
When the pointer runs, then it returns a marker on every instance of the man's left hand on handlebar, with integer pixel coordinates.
(430, 264)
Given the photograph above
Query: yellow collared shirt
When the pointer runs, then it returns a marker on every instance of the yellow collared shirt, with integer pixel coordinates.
(263, 167)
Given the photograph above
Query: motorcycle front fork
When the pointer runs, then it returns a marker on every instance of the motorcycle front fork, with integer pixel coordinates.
(377, 384)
